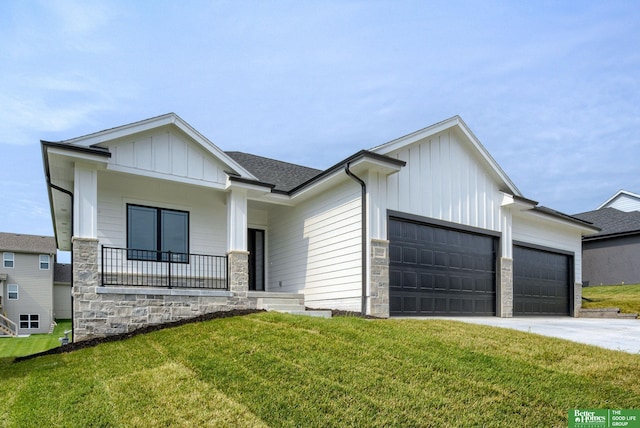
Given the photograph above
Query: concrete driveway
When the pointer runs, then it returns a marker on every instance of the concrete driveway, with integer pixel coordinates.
(616, 334)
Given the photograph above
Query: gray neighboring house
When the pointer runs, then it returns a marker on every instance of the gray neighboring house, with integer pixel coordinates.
(26, 283)
(612, 256)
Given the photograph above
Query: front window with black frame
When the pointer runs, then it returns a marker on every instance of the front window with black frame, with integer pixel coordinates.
(157, 234)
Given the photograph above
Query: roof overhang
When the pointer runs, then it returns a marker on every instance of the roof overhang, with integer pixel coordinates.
(59, 160)
(359, 164)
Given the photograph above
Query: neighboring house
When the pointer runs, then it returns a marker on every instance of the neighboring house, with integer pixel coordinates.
(62, 291)
(164, 225)
(612, 256)
(623, 201)
(26, 283)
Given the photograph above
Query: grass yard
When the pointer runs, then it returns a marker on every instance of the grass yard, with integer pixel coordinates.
(20, 346)
(625, 297)
(280, 370)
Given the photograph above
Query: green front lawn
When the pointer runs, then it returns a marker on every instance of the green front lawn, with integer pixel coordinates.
(281, 370)
(625, 297)
(19, 346)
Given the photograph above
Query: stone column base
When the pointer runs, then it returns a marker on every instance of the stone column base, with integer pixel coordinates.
(379, 275)
(505, 297)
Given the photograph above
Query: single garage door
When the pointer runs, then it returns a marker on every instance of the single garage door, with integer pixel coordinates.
(440, 271)
(541, 282)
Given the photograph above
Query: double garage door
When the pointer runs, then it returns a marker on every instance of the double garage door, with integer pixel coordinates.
(436, 270)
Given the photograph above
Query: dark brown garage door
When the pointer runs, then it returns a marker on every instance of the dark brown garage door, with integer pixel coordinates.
(440, 271)
(541, 282)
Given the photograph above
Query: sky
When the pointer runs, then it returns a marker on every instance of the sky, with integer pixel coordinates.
(550, 88)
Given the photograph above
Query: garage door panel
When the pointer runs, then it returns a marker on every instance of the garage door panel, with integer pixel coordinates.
(541, 282)
(455, 271)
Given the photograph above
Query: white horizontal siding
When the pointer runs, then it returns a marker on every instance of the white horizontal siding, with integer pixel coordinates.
(445, 180)
(551, 234)
(315, 249)
(167, 152)
(207, 210)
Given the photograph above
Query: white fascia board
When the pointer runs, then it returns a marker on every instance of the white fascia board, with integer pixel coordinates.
(166, 177)
(371, 164)
(231, 185)
(124, 131)
(79, 156)
(511, 201)
(487, 157)
(585, 230)
(405, 140)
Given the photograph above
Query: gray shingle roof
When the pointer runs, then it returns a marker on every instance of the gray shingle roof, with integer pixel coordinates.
(285, 176)
(62, 273)
(613, 222)
(20, 243)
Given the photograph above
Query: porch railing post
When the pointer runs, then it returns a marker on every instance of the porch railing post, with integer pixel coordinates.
(170, 262)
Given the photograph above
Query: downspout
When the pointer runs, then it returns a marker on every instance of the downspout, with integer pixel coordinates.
(66, 192)
(364, 236)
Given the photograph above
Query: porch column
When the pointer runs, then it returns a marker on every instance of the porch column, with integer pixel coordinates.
(89, 319)
(85, 208)
(237, 242)
(378, 275)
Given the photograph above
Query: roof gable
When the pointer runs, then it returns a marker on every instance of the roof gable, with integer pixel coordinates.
(623, 201)
(468, 139)
(165, 145)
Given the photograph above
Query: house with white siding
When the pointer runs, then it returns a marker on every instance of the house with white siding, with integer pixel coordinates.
(163, 225)
(26, 283)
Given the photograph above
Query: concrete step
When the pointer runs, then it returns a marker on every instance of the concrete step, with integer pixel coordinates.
(283, 307)
(312, 313)
(605, 313)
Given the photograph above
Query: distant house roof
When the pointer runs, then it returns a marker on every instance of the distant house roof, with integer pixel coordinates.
(623, 200)
(285, 176)
(62, 273)
(20, 243)
(614, 223)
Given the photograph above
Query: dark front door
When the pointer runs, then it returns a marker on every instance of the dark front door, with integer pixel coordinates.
(256, 259)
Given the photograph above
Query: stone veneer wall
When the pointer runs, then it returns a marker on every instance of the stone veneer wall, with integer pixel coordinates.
(577, 299)
(103, 311)
(506, 288)
(379, 274)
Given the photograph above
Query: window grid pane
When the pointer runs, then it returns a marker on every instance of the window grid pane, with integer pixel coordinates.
(157, 231)
(44, 262)
(8, 260)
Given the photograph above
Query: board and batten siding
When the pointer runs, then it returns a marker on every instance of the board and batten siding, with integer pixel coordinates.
(35, 291)
(167, 152)
(206, 207)
(315, 249)
(444, 180)
(549, 234)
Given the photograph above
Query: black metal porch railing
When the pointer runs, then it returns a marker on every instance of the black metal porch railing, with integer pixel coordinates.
(130, 267)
